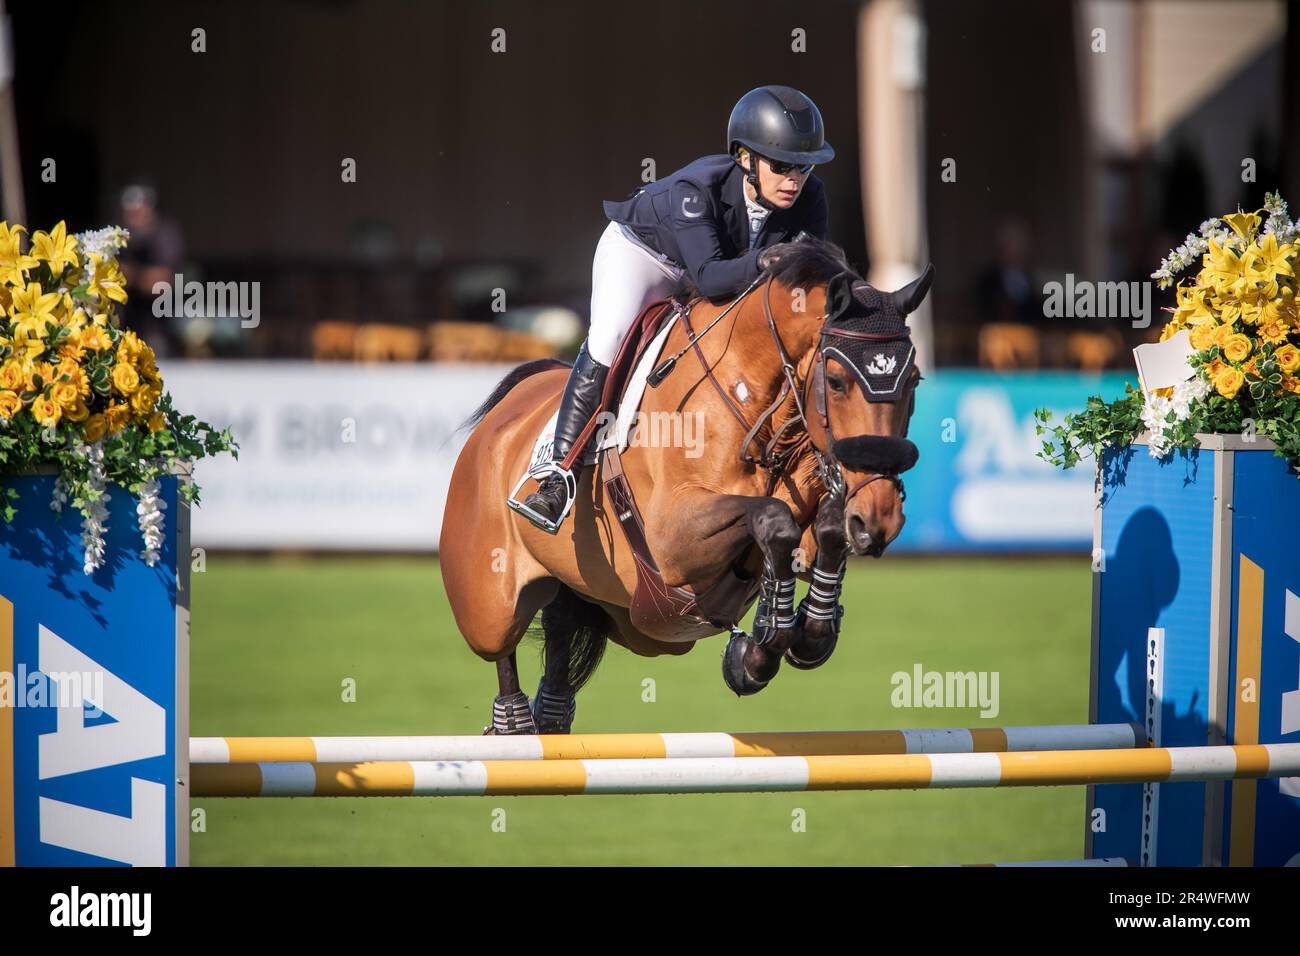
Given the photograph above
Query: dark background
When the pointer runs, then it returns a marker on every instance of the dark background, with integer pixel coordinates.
(479, 170)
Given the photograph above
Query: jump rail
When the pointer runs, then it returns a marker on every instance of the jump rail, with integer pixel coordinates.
(717, 775)
(222, 750)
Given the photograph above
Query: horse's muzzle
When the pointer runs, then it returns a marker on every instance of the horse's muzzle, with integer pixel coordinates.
(883, 454)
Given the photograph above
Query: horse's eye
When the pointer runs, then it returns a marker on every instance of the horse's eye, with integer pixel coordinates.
(837, 385)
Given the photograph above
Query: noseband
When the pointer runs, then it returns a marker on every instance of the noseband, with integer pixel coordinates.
(768, 458)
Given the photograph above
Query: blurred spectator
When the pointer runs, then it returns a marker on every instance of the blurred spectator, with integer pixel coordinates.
(154, 254)
(1005, 288)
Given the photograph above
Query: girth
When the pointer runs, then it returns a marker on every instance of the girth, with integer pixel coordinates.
(659, 609)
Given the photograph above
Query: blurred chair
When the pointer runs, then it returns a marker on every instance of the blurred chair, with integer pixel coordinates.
(1007, 345)
(479, 342)
(387, 343)
(333, 340)
(1092, 351)
(523, 347)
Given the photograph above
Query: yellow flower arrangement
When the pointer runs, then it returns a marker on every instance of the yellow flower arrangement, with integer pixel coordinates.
(1238, 300)
(1240, 308)
(76, 390)
(61, 356)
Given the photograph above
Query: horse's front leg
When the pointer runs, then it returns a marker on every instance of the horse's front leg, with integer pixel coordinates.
(817, 622)
(749, 663)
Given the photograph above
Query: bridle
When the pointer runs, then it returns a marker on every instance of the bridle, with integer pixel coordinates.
(771, 460)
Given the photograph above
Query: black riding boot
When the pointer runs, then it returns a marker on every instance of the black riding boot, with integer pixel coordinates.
(581, 398)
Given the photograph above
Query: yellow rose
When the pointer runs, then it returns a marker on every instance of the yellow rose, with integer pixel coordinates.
(46, 411)
(10, 405)
(1288, 358)
(1215, 369)
(125, 378)
(13, 377)
(143, 400)
(1221, 333)
(78, 412)
(1229, 382)
(1202, 336)
(1236, 347)
(66, 394)
(157, 422)
(1291, 384)
(94, 428)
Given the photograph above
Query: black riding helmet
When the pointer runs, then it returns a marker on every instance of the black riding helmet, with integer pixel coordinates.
(780, 123)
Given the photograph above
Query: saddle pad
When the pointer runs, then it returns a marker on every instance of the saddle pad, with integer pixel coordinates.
(624, 423)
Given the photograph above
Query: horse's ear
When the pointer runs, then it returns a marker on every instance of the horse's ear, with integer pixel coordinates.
(839, 294)
(913, 294)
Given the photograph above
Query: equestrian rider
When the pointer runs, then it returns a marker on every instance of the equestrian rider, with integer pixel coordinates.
(711, 220)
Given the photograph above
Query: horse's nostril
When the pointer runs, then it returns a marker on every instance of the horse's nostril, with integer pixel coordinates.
(859, 536)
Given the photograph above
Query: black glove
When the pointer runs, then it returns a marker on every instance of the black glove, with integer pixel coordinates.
(769, 256)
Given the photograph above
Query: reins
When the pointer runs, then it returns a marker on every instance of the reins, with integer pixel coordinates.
(769, 459)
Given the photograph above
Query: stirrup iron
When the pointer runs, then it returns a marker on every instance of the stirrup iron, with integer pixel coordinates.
(538, 472)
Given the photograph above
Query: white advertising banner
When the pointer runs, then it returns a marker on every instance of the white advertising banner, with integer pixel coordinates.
(331, 456)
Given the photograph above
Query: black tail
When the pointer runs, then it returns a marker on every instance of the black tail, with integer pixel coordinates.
(587, 627)
(513, 378)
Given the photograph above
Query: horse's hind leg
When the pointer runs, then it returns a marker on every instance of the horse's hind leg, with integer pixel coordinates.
(510, 711)
(493, 627)
(576, 632)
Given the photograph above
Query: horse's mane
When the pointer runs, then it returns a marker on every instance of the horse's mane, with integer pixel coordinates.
(809, 262)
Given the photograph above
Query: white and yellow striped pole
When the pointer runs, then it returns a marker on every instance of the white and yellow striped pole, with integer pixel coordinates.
(217, 750)
(758, 774)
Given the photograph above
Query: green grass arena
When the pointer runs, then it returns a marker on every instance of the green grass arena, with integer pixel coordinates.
(273, 641)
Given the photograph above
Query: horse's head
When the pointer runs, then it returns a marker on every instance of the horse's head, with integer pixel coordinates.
(863, 389)
(860, 375)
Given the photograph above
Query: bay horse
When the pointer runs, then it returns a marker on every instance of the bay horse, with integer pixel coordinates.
(814, 369)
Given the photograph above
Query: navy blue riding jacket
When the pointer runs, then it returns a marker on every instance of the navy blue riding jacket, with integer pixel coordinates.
(697, 218)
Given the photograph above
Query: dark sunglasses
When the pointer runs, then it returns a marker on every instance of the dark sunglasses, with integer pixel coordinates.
(782, 168)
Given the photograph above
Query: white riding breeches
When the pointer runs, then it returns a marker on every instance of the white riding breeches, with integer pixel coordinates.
(626, 276)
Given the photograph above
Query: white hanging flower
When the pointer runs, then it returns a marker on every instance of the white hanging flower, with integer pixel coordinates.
(94, 520)
(1187, 394)
(1157, 408)
(1155, 414)
(150, 509)
(60, 496)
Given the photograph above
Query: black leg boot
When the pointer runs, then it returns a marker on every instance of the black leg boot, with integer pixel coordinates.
(581, 398)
